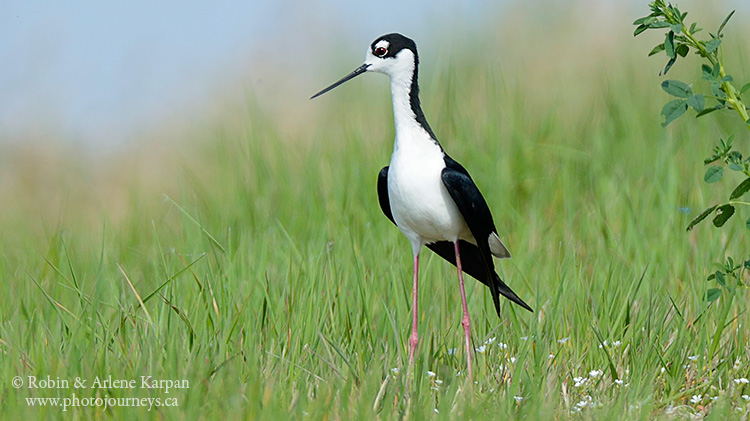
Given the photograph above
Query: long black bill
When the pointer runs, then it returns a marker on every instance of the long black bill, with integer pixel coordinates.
(358, 71)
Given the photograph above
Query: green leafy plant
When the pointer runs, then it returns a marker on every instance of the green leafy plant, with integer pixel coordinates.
(680, 39)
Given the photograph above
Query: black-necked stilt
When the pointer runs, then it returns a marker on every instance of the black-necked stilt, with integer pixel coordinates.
(430, 197)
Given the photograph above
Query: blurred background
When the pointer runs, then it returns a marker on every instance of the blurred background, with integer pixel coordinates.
(97, 98)
(100, 75)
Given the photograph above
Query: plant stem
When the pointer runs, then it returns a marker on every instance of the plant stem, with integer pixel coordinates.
(726, 86)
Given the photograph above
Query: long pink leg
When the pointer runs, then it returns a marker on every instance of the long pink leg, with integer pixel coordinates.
(414, 339)
(466, 322)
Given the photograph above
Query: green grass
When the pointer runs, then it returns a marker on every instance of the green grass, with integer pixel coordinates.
(267, 277)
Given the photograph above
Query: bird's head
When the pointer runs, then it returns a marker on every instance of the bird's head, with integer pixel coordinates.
(393, 54)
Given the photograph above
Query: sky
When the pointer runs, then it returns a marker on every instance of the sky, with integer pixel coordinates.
(100, 73)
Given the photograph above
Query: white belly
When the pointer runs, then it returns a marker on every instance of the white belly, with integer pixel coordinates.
(421, 206)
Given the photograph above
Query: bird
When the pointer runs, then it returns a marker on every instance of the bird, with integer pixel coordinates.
(429, 196)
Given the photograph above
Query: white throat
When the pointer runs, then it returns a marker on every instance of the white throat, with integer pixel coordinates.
(405, 121)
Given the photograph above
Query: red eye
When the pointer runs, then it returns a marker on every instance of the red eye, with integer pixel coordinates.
(380, 51)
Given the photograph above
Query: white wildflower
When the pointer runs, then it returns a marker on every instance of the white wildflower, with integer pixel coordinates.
(746, 397)
(586, 401)
(394, 370)
(490, 340)
(436, 411)
(579, 381)
(616, 343)
(518, 398)
(693, 357)
(619, 382)
(481, 349)
(502, 345)
(435, 388)
(696, 399)
(438, 381)
(524, 338)
(741, 380)
(563, 340)
(512, 360)
(452, 351)
(551, 356)
(430, 373)
(595, 373)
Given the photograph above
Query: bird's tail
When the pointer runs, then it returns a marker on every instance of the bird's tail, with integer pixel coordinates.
(506, 292)
(476, 267)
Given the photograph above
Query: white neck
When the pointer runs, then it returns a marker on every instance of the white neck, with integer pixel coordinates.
(403, 116)
(407, 128)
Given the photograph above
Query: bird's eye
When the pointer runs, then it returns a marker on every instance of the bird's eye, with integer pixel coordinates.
(380, 51)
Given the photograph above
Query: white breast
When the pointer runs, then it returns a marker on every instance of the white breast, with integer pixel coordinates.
(422, 207)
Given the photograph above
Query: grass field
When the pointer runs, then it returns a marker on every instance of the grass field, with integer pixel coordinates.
(256, 264)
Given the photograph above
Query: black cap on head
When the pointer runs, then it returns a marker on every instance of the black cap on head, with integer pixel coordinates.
(396, 43)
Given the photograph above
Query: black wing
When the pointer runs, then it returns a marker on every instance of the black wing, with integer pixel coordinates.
(476, 213)
(471, 258)
(385, 203)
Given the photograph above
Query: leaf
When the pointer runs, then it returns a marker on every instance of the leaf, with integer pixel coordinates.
(712, 158)
(736, 167)
(701, 217)
(747, 225)
(744, 88)
(698, 102)
(673, 110)
(708, 111)
(658, 25)
(716, 90)
(639, 30)
(741, 189)
(682, 50)
(720, 278)
(712, 45)
(725, 22)
(713, 174)
(708, 72)
(723, 214)
(712, 294)
(676, 28)
(658, 49)
(669, 47)
(668, 66)
(676, 88)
